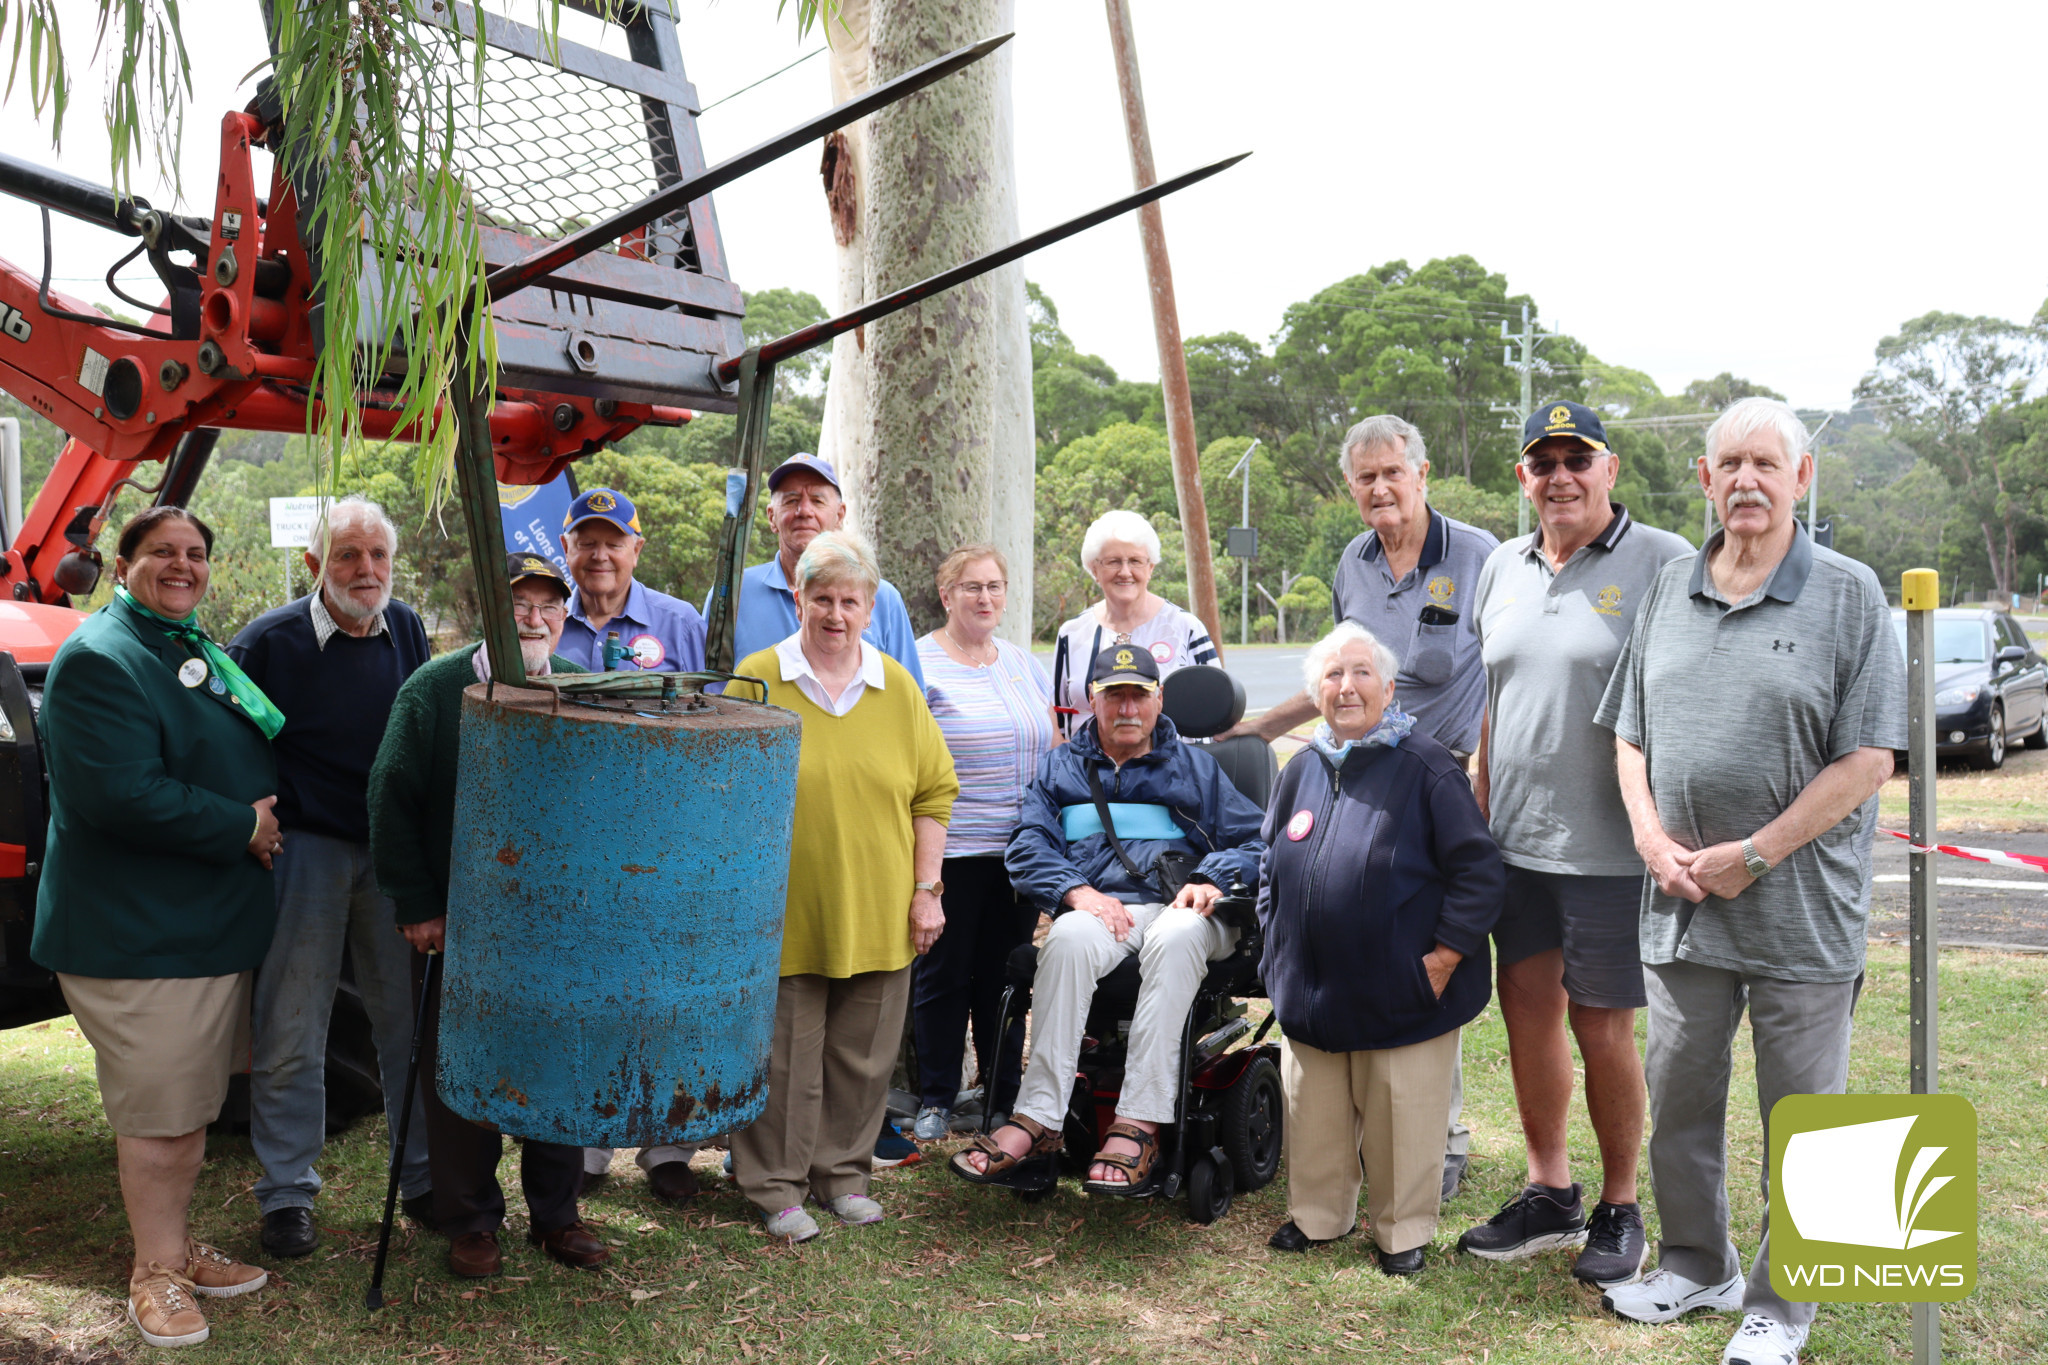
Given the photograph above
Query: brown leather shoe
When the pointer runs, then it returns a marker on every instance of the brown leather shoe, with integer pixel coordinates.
(475, 1256)
(673, 1182)
(573, 1245)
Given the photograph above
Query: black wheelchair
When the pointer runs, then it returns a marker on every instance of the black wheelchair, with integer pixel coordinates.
(1226, 1132)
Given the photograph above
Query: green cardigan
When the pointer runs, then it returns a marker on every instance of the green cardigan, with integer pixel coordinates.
(148, 871)
(412, 785)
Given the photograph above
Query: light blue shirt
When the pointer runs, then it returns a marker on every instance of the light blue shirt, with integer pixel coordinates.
(766, 616)
(663, 634)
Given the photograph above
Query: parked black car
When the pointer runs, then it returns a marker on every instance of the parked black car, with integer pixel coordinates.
(1990, 685)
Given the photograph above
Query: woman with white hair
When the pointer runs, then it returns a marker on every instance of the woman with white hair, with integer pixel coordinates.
(874, 792)
(1119, 552)
(1379, 886)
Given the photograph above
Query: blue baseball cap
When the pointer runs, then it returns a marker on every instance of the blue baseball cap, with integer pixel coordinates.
(803, 459)
(603, 504)
(1564, 418)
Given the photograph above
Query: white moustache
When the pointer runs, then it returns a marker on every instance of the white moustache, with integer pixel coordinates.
(1749, 497)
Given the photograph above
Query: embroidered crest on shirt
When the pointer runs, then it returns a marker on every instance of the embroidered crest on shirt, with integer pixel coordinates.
(1608, 603)
(1441, 589)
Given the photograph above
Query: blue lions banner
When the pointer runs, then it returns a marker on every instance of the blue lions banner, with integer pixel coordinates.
(533, 515)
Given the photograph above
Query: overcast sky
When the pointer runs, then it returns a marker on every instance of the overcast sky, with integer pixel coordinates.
(1767, 188)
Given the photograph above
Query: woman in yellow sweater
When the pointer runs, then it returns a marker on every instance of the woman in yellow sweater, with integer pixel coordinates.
(874, 791)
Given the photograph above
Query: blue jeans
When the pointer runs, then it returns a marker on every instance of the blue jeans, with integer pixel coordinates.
(327, 899)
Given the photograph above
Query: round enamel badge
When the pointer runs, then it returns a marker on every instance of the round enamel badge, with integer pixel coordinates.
(1162, 651)
(1300, 825)
(647, 651)
(192, 672)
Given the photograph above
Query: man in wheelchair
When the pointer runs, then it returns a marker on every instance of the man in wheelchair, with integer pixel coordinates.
(1129, 837)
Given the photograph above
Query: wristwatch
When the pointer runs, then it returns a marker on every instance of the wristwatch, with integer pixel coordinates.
(936, 888)
(1753, 860)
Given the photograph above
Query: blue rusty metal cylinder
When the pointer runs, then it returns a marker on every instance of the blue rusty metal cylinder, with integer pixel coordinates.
(615, 902)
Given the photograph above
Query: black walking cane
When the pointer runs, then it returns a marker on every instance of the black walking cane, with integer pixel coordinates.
(375, 1298)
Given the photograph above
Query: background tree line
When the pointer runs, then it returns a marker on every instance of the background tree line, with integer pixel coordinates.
(1942, 459)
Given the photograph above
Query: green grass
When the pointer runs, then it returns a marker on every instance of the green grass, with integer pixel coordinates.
(960, 1273)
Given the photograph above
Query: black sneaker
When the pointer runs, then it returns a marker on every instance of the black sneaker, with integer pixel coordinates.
(1615, 1245)
(1532, 1221)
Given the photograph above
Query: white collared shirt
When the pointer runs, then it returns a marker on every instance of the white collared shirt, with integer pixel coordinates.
(797, 669)
(325, 626)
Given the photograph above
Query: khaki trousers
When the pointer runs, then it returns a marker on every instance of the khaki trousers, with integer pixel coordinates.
(828, 1084)
(1381, 1110)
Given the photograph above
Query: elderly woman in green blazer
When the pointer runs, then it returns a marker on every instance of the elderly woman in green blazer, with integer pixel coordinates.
(155, 904)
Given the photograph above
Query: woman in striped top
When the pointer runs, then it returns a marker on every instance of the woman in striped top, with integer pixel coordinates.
(1120, 551)
(993, 703)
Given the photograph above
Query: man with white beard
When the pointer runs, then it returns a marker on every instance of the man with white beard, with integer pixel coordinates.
(333, 662)
(412, 824)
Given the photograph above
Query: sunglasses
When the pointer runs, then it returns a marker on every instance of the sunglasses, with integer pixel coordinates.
(1543, 467)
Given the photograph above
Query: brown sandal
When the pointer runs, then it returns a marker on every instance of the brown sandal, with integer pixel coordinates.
(1138, 1170)
(1003, 1168)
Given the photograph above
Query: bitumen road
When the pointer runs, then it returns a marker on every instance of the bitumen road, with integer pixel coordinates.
(1975, 903)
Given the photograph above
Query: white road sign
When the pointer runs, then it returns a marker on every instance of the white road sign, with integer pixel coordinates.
(291, 521)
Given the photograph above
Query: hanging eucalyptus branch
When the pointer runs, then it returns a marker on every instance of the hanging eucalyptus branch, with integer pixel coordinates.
(372, 104)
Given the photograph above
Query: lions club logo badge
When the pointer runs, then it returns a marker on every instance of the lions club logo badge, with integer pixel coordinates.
(602, 501)
(1162, 651)
(1560, 416)
(1126, 659)
(532, 565)
(1608, 603)
(1441, 589)
(1303, 821)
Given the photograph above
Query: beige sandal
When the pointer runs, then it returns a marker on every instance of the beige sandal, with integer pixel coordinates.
(1003, 1168)
(1138, 1170)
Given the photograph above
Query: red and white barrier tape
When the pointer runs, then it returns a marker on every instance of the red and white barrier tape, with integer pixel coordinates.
(2031, 862)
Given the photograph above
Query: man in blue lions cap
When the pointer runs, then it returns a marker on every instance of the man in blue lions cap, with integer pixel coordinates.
(805, 500)
(656, 632)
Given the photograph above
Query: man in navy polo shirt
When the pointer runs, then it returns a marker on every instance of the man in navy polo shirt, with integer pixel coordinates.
(655, 632)
(804, 499)
(333, 662)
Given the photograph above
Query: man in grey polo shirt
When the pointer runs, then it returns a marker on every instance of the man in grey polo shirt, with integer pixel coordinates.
(1755, 710)
(1554, 609)
(1410, 579)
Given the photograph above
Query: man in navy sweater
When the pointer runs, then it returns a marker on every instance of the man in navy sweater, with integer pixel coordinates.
(333, 662)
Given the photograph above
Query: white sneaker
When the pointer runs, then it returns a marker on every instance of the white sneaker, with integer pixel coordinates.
(854, 1210)
(1665, 1295)
(792, 1224)
(1764, 1341)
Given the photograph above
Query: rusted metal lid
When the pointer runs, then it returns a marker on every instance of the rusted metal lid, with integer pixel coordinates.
(688, 712)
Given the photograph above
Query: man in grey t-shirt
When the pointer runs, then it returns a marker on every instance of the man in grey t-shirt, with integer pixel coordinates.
(1410, 579)
(1755, 711)
(1554, 610)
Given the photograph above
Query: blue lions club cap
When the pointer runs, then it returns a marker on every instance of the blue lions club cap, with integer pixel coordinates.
(603, 504)
(1124, 665)
(803, 459)
(1564, 418)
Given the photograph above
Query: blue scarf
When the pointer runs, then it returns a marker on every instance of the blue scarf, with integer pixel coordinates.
(1393, 728)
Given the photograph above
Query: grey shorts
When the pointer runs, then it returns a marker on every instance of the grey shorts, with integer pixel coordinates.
(1593, 919)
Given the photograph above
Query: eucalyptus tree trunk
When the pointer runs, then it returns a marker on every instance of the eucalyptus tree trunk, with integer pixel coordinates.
(932, 394)
(846, 439)
(1013, 483)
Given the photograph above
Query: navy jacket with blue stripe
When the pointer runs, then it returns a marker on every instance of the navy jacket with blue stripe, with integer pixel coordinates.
(1218, 823)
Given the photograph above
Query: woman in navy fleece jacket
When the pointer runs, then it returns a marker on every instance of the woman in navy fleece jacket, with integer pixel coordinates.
(1379, 887)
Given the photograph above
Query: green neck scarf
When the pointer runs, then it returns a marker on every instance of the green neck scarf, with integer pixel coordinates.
(248, 698)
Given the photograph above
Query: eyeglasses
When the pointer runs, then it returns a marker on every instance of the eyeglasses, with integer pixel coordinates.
(1544, 466)
(993, 588)
(1117, 565)
(552, 611)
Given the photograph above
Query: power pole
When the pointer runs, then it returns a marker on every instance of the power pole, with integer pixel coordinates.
(1527, 339)
(1173, 365)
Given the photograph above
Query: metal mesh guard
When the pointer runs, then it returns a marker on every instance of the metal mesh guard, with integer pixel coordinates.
(552, 150)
